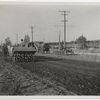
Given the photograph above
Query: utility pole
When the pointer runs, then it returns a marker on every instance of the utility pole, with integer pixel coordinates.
(32, 32)
(64, 14)
(17, 38)
(59, 39)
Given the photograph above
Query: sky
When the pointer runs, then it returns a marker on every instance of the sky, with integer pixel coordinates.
(47, 21)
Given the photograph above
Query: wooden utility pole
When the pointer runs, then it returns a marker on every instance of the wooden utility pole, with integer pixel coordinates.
(64, 14)
(17, 38)
(32, 32)
(59, 39)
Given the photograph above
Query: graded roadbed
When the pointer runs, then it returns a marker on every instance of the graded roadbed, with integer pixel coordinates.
(15, 80)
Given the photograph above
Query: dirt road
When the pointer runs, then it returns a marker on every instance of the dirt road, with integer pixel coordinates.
(80, 77)
(15, 80)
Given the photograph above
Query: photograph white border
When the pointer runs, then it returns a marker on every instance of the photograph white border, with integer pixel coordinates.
(33, 2)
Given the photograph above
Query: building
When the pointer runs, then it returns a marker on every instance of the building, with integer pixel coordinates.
(72, 44)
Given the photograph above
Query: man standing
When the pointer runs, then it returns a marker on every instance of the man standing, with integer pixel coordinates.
(5, 50)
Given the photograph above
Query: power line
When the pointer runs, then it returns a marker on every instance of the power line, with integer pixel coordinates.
(64, 13)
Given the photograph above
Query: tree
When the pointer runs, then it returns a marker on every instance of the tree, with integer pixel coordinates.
(26, 39)
(46, 47)
(81, 39)
(8, 41)
(82, 42)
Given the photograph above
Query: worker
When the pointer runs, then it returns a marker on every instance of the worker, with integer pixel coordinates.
(5, 50)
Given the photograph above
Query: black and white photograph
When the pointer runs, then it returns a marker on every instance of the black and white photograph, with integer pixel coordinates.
(49, 49)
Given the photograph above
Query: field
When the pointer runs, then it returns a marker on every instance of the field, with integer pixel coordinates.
(77, 76)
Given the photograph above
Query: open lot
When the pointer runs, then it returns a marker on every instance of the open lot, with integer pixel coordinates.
(80, 77)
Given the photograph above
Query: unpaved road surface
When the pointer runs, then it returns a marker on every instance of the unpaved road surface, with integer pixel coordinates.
(79, 77)
(14, 80)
